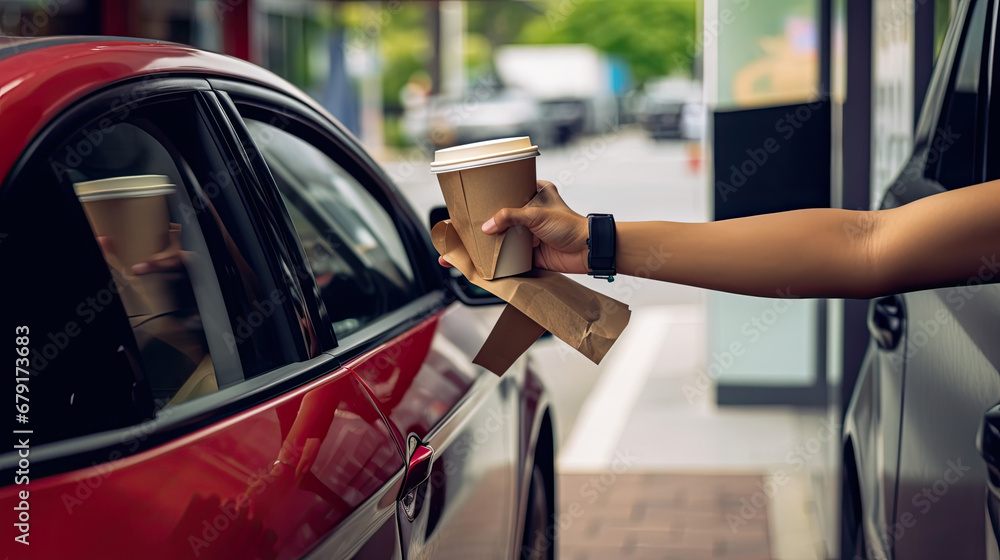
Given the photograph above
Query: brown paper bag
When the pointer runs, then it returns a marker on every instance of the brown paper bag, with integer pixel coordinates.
(586, 320)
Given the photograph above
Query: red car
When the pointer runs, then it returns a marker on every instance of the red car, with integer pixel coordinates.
(231, 337)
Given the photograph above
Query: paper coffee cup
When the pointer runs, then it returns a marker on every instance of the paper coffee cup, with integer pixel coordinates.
(132, 213)
(477, 180)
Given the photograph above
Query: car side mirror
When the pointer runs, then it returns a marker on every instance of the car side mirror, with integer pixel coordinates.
(467, 292)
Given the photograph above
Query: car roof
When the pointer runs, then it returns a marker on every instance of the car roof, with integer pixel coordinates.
(40, 77)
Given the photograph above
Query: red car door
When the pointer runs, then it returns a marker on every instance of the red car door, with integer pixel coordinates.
(435, 398)
(397, 331)
(178, 406)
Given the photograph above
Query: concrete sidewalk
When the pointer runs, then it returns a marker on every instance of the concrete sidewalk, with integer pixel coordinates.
(661, 515)
(699, 481)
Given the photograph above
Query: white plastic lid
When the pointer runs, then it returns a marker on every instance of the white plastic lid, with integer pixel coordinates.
(483, 153)
(135, 186)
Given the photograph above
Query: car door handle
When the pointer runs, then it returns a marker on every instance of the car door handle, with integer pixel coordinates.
(885, 321)
(418, 470)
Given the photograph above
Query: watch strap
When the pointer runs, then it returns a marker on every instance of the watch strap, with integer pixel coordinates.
(601, 245)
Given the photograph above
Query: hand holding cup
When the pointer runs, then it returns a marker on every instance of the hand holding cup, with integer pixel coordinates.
(559, 233)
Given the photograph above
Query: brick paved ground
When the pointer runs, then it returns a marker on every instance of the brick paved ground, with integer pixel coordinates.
(659, 516)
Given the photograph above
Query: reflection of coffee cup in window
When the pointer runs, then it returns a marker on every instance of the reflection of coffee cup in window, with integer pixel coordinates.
(132, 214)
(478, 180)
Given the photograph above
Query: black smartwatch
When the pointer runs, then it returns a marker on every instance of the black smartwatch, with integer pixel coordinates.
(601, 243)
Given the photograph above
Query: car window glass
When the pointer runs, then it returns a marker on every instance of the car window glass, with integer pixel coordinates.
(355, 252)
(952, 155)
(133, 197)
(186, 305)
(77, 365)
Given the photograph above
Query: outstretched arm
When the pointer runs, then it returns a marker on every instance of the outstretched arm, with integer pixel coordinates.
(940, 240)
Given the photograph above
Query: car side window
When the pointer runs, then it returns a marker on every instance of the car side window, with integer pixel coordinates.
(952, 158)
(350, 241)
(129, 191)
(184, 302)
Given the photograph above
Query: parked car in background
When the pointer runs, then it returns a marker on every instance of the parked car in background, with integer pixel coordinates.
(578, 86)
(672, 108)
(488, 111)
(921, 455)
(232, 337)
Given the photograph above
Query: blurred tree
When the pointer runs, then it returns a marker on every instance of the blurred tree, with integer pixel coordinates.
(490, 24)
(404, 41)
(478, 56)
(501, 22)
(406, 50)
(656, 38)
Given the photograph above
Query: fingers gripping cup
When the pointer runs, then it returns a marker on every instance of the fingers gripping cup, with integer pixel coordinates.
(477, 181)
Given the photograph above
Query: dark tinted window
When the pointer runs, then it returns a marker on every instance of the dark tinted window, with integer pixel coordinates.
(81, 349)
(143, 282)
(952, 158)
(352, 245)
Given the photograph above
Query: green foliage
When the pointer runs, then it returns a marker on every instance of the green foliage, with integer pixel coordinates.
(404, 52)
(478, 55)
(655, 38)
(501, 22)
(403, 39)
(393, 130)
(405, 45)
